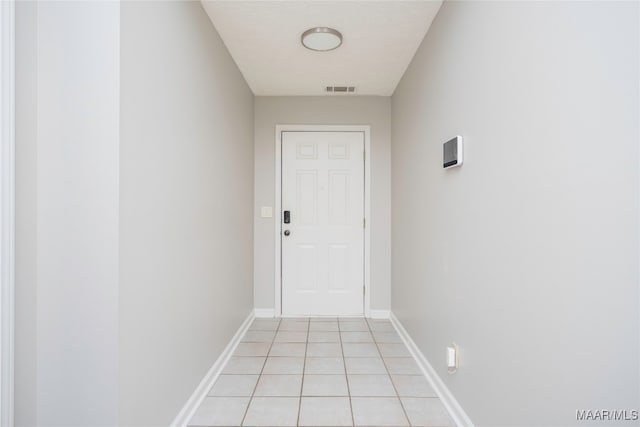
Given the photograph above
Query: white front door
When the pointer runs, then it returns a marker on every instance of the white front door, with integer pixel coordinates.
(323, 243)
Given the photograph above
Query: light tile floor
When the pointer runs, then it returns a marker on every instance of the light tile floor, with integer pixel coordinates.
(321, 372)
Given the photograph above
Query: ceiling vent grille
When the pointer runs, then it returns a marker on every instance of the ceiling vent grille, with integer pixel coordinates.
(340, 89)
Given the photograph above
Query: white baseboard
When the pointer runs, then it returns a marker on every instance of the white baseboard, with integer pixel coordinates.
(264, 312)
(379, 314)
(460, 418)
(205, 385)
(270, 312)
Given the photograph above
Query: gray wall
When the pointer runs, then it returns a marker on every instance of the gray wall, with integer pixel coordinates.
(186, 185)
(25, 387)
(364, 110)
(134, 198)
(527, 255)
(67, 213)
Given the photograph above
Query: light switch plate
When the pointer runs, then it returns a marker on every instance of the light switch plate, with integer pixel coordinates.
(266, 212)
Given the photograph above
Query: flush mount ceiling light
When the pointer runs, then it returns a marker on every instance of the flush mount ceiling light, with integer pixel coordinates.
(321, 39)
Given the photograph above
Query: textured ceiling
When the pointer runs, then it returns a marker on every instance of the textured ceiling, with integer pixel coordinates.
(380, 39)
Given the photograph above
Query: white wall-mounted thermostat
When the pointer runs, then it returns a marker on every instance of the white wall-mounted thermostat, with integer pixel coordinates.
(452, 152)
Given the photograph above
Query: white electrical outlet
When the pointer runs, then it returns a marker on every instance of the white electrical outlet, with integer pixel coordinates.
(452, 358)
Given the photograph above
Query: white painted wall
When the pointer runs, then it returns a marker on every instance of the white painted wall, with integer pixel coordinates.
(67, 231)
(527, 255)
(333, 110)
(7, 209)
(186, 227)
(134, 203)
(25, 387)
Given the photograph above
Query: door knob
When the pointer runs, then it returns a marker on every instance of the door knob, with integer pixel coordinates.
(287, 232)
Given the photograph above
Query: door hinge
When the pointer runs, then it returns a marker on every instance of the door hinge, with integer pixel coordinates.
(364, 156)
(364, 222)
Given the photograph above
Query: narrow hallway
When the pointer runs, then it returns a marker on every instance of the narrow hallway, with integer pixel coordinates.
(321, 372)
(182, 178)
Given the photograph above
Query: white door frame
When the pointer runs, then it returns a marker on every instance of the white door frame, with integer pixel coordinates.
(366, 130)
(7, 208)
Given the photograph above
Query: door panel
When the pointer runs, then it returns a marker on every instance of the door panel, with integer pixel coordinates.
(323, 255)
(338, 268)
(307, 197)
(306, 268)
(338, 197)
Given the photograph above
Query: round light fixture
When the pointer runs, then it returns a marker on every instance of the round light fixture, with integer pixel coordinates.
(321, 39)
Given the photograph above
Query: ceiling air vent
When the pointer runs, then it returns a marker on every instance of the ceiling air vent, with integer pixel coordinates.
(340, 89)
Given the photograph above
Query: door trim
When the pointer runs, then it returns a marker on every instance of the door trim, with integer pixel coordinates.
(366, 130)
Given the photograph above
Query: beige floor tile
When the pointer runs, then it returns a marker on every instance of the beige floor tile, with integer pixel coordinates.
(324, 326)
(325, 411)
(244, 365)
(354, 327)
(272, 412)
(360, 336)
(288, 349)
(381, 327)
(393, 350)
(324, 350)
(378, 411)
(365, 365)
(264, 325)
(234, 385)
(325, 385)
(291, 336)
(220, 411)
(252, 349)
(296, 325)
(324, 366)
(413, 386)
(279, 385)
(426, 412)
(324, 336)
(402, 366)
(284, 365)
(352, 349)
(258, 336)
(371, 385)
(391, 337)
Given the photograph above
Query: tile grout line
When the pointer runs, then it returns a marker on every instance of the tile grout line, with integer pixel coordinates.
(404, 411)
(246, 411)
(369, 330)
(304, 366)
(346, 377)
